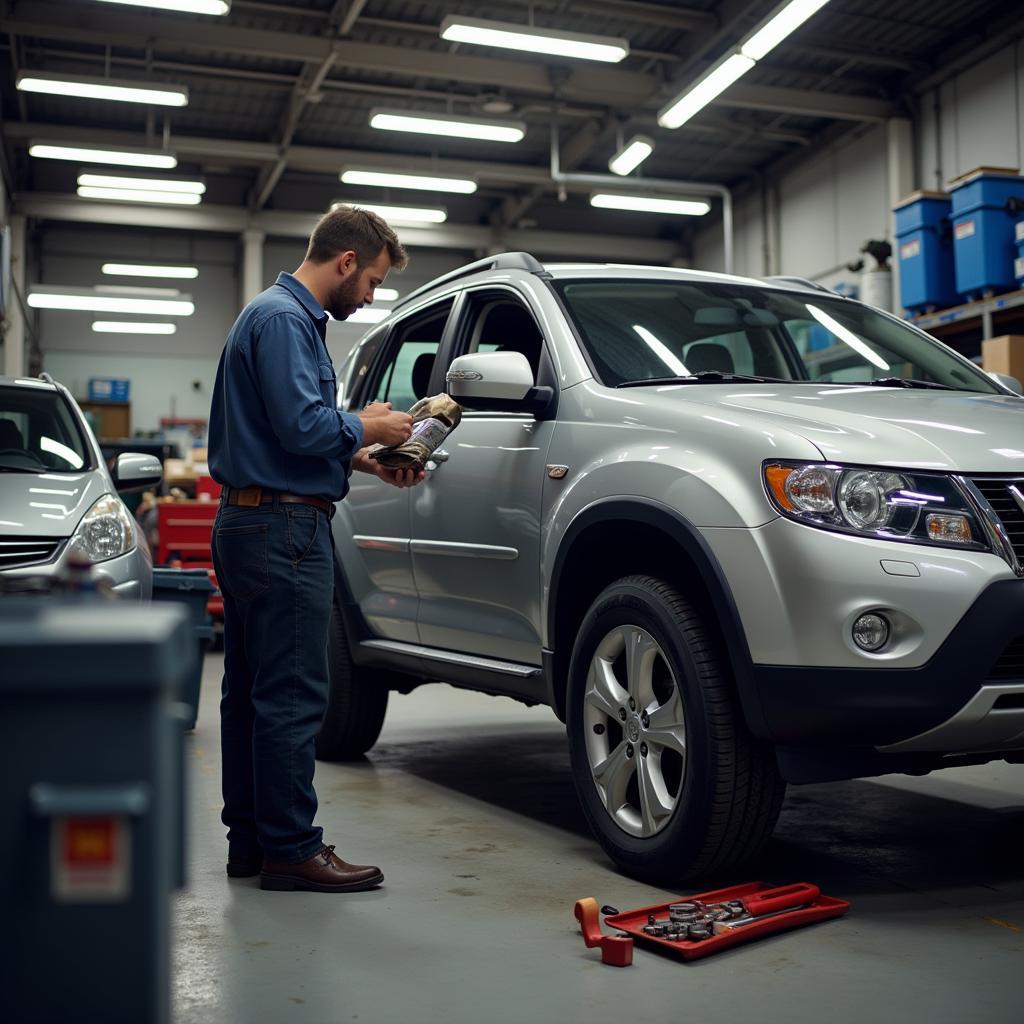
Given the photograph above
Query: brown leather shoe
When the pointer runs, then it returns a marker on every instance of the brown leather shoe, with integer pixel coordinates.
(323, 872)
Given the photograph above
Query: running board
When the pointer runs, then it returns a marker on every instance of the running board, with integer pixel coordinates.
(507, 668)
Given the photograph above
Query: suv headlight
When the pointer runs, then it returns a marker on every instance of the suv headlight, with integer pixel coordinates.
(922, 508)
(106, 531)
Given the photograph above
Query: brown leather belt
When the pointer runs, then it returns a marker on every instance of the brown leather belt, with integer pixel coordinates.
(253, 497)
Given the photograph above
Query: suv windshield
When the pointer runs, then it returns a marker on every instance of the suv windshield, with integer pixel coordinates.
(38, 432)
(635, 330)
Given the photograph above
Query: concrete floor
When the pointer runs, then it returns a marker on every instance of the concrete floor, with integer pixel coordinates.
(467, 804)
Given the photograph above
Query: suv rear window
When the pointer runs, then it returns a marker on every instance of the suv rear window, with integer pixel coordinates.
(39, 432)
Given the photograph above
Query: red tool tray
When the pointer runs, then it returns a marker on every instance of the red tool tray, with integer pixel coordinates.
(632, 922)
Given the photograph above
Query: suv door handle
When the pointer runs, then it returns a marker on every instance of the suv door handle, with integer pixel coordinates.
(436, 459)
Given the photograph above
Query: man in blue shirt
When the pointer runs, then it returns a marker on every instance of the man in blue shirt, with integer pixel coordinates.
(282, 452)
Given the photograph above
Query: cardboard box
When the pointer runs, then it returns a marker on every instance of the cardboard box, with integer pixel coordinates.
(1004, 354)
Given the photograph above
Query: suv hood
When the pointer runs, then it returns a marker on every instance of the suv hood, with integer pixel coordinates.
(47, 504)
(943, 430)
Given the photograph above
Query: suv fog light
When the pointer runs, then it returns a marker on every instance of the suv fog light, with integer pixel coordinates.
(871, 631)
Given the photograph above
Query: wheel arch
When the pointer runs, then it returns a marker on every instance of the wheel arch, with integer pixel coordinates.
(621, 536)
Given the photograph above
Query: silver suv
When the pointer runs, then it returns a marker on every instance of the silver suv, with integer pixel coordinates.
(736, 533)
(58, 498)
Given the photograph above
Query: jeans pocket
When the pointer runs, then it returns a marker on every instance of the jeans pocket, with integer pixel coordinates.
(243, 569)
(303, 525)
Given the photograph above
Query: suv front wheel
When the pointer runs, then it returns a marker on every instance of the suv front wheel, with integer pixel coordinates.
(671, 782)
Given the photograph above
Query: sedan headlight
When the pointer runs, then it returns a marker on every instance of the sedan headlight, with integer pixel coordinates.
(922, 508)
(106, 531)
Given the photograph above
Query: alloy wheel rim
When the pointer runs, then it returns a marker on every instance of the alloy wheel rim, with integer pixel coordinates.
(635, 727)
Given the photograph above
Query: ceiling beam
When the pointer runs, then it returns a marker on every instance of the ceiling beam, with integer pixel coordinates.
(615, 88)
(807, 103)
(299, 224)
(340, 21)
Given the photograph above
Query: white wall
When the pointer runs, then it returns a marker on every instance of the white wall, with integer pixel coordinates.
(974, 119)
(163, 368)
(838, 197)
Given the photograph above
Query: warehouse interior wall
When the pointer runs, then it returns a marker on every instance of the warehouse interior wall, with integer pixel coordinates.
(171, 375)
(812, 220)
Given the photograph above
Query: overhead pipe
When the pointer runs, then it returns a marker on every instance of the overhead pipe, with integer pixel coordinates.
(705, 188)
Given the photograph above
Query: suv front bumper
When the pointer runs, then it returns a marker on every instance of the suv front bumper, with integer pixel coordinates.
(969, 696)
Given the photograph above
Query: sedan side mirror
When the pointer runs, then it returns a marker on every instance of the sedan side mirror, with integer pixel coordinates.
(498, 382)
(135, 471)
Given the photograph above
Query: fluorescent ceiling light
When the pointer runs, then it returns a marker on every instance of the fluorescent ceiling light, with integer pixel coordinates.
(651, 204)
(92, 87)
(188, 6)
(142, 270)
(367, 315)
(103, 155)
(49, 297)
(847, 336)
(401, 214)
(511, 36)
(787, 20)
(632, 155)
(662, 351)
(425, 183)
(385, 294)
(127, 327)
(460, 127)
(125, 289)
(146, 184)
(698, 96)
(135, 195)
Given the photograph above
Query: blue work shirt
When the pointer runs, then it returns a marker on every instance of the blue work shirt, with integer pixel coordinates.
(273, 420)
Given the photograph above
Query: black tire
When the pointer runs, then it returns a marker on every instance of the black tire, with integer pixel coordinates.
(356, 705)
(729, 791)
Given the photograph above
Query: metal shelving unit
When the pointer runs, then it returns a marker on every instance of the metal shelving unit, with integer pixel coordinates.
(983, 311)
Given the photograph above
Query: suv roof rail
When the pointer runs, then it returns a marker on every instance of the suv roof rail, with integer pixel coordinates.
(46, 377)
(789, 279)
(502, 261)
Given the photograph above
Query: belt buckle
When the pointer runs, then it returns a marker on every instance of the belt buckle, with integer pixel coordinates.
(248, 497)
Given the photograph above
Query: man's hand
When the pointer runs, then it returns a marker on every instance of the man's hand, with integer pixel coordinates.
(395, 477)
(382, 426)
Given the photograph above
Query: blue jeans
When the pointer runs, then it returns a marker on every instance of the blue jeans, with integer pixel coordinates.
(275, 566)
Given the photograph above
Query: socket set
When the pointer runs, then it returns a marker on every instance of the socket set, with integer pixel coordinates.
(696, 926)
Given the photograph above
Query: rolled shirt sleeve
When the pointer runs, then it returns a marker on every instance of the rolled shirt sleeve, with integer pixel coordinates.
(299, 395)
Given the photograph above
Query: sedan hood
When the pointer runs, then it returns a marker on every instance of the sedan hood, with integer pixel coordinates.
(942, 430)
(47, 504)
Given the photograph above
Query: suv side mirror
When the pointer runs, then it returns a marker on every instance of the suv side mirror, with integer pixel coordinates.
(497, 382)
(1007, 381)
(134, 471)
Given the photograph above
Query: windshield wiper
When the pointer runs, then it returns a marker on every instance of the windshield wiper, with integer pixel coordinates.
(19, 469)
(905, 382)
(705, 377)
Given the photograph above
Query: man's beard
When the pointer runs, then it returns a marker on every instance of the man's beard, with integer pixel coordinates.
(345, 299)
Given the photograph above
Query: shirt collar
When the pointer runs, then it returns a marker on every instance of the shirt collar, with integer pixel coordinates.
(302, 293)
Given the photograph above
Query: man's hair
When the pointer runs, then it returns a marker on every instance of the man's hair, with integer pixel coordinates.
(365, 233)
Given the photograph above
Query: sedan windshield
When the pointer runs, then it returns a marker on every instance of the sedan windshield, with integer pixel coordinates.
(636, 330)
(38, 433)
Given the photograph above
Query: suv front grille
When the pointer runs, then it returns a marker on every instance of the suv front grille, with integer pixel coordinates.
(997, 493)
(16, 552)
(1011, 662)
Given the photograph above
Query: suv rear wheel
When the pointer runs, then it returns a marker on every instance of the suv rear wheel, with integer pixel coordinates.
(670, 780)
(356, 705)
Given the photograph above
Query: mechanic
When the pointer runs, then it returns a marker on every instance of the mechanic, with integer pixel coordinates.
(283, 453)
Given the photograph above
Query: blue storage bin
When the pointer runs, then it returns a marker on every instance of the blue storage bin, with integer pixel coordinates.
(924, 247)
(987, 204)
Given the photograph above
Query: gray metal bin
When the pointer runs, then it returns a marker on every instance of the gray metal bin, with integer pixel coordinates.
(90, 806)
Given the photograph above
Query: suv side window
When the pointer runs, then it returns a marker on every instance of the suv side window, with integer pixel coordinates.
(501, 323)
(404, 375)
